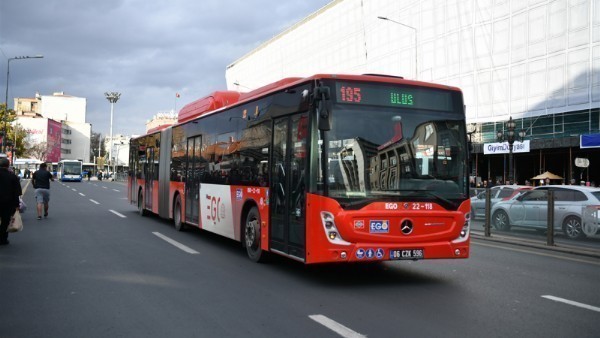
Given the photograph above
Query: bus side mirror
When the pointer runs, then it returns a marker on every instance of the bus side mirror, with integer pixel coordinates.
(322, 98)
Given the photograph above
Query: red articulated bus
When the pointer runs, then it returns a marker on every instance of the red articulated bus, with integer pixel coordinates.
(328, 168)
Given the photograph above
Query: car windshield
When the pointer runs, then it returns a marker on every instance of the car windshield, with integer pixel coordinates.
(396, 154)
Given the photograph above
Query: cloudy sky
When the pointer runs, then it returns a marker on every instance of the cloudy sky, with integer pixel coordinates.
(146, 50)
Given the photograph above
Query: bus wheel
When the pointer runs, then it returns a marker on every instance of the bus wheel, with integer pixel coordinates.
(252, 236)
(141, 209)
(179, 226)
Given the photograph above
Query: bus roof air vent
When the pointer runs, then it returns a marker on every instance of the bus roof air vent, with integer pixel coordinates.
(385, 75)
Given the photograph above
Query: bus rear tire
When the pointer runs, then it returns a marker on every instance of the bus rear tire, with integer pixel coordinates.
(140, 201)
(252, 236)
(179, 226)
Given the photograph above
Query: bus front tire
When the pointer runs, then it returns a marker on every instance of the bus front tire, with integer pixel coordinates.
(252, 236)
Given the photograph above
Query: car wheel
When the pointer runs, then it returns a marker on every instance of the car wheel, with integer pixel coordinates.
(252, 236)
(179, 226)
(501, 221)
(572, 227)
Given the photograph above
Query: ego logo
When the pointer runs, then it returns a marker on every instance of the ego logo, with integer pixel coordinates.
(216, 209)
(379, 226)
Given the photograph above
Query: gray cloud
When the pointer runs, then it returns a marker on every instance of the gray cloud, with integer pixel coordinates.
(147, 50)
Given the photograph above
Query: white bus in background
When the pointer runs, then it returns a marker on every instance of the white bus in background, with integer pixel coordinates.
(69, 170)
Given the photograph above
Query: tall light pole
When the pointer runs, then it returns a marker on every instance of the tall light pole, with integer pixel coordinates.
(509, 136)
(112, 97)
(416, 42)
(6, 95)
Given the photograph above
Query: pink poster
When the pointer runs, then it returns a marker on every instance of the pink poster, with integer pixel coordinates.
(54, 139)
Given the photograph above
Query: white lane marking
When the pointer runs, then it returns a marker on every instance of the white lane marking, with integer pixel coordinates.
(91, 200)
(538, 253)
(175, 243)
(570, 302)
(118, 214)
(335, 326)
(116, 190)
(82, 194)
(74, 189)
(105, 187)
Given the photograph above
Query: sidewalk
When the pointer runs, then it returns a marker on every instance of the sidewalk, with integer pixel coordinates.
(538, 244)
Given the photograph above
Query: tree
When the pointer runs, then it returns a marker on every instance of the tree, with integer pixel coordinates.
(7, 116)
(19, 134)
(95, 139)
(38, 151)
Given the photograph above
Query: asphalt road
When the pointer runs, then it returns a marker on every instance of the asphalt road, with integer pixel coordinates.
(94, 268)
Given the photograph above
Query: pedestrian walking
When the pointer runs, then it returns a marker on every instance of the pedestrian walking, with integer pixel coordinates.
(10, 190)
(41, 182)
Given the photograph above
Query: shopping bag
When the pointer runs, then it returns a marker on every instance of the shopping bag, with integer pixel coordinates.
(22, 205)
(16, 223)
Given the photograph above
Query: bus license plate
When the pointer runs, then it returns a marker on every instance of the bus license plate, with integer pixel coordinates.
(406, 254)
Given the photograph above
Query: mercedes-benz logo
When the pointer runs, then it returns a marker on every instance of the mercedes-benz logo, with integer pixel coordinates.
(406, 227)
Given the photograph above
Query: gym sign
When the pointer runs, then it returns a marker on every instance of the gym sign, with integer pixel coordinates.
(502, 147)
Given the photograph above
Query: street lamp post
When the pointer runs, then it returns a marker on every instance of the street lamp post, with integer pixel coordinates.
(416, 44)
(112, 97)
(509, 136)
(6, 95)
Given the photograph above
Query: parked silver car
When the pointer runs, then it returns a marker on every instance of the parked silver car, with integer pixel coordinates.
(497, 194)
(531, 209)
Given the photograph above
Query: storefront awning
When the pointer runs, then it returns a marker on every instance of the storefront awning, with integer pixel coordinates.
(589, 141)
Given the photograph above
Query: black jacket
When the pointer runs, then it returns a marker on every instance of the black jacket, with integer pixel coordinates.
(10, 190)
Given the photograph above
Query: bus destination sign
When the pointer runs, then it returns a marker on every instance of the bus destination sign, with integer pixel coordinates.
(393, 96)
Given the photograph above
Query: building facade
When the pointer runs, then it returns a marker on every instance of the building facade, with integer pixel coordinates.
(160, 120)
(117, 151)
(536, 61)
(44, 137)
(69, 112)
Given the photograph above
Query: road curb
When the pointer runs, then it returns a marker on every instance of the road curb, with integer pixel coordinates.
(538, 245)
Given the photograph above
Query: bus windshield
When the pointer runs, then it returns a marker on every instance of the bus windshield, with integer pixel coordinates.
(71, 168)
(385, 153)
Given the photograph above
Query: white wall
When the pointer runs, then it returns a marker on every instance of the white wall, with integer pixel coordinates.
(520, 58)
(63, 107)
(78, 144)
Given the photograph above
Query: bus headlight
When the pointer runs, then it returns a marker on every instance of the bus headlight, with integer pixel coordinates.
(333, 235)
(466, 229)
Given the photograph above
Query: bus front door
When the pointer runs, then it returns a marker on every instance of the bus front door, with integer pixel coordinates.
(287, 202)
(192, 180)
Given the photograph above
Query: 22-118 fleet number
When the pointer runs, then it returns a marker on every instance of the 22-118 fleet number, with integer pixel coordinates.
(412, 206)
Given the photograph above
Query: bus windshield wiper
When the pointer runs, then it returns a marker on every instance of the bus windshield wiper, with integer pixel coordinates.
(360, 202)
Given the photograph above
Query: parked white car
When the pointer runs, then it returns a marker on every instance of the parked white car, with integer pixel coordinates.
(497, 194)
(530, 210)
